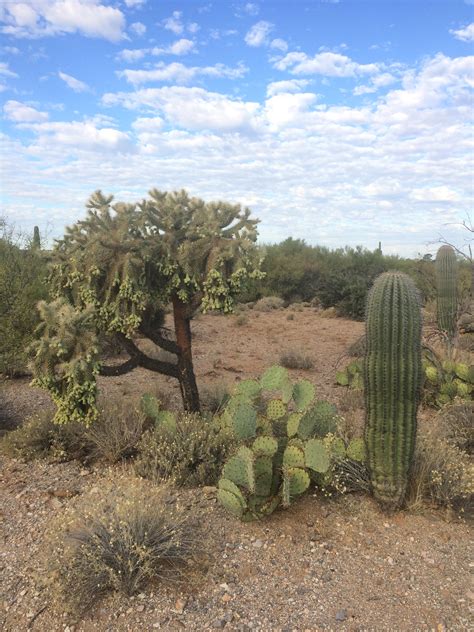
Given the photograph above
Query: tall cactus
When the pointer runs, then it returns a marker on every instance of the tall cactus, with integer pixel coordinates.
(392, 375)
(446, 280)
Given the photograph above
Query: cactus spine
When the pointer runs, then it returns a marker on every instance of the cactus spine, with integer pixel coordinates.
(392, 372)
(446, 280)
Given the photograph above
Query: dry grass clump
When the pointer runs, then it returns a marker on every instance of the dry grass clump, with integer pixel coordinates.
(122, 539)
(39, 438)
(441, 473)
(241, 320)
(115, 434)
(190, 455)
(214, 397)
(458, 419)
(290, 317)
(296, 360)
(269, 303)
(357, 349)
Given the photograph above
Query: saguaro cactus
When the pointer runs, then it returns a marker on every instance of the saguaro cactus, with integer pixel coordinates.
(392, 376)
(446, 280)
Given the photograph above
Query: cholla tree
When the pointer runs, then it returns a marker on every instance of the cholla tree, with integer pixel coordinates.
(118, 268)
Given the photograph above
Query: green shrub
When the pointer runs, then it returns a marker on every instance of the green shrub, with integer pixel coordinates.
(189, 453)
(22, 285)
(296, 360)
(119, 539)
(39, 438)
(241, 320)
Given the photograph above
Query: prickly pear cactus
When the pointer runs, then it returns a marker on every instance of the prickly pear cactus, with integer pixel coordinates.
(392, 372)
(446, 281)
(277, 423)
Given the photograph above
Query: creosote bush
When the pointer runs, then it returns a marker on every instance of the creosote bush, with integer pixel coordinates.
(189, 454)
(119, 539)
(296, 360)
(40, 438)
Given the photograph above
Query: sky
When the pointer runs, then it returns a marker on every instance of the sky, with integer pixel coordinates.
(341, 122)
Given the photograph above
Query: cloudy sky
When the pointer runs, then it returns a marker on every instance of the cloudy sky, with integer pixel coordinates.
(337, 121)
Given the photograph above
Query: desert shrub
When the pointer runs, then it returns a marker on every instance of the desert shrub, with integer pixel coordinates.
(296, 360)
(458, 420)
(441, 473)
(290, 317)
(214, 397)
(121, 540)
(188, 453)
(269, 303)
(39, 438)
(115, 433)
(22, 285)
(241, 320)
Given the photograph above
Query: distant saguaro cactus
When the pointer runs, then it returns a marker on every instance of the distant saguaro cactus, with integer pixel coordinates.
(446, 281)
(36, 243)
(392, 375)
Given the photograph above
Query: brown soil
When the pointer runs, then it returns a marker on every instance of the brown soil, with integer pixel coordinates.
(325, 564)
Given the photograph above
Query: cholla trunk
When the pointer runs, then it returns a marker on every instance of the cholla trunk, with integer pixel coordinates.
(187, 379)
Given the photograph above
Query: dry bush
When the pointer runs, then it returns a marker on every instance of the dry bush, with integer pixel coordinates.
(465, 342)
(329, 312)
(458, 420)
(241, 320)
(190, 455)
(269, 303)
(40, 438)
(290, 317)
(296, 360)
(441, 472)
(214, 397)
(116, 432)
(119, 539)
(357, 349)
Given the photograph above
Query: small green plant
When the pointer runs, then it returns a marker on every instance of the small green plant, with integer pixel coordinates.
(446, 380)
(186, 449)
(284, 440)
(351, 375)
(40, 438)
(120, 539)
(296, 360)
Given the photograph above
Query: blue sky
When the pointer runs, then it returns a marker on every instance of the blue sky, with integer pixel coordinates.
(340, 122)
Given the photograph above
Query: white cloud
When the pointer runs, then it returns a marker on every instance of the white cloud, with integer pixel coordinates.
(251, 8)
(191, 108)
(132, 55)
(258, 34)
(441, 193)
(21, 113)
(5, 70)
(138, 28)
(134, 3)
(193, 27)
(181, 47)
(147, 124)
(73, 83)
(82, 136)
(174, 23)
(39, 18)
(465, 34)
(377, 81)
(279, 44)
(291, 85)
(286, 109)
(325, 63)
(179, 73)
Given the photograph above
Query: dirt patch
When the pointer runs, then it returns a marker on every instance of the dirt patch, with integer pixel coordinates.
(324, 564)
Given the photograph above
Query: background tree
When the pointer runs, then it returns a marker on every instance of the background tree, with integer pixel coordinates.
(22, 284)
(118, 268)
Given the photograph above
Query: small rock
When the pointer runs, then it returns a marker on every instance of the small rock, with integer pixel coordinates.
(341, 615)
(209, 489)
(219, 623)
(226, 598)
(140, 608)
(179, 606)
(257, 544)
